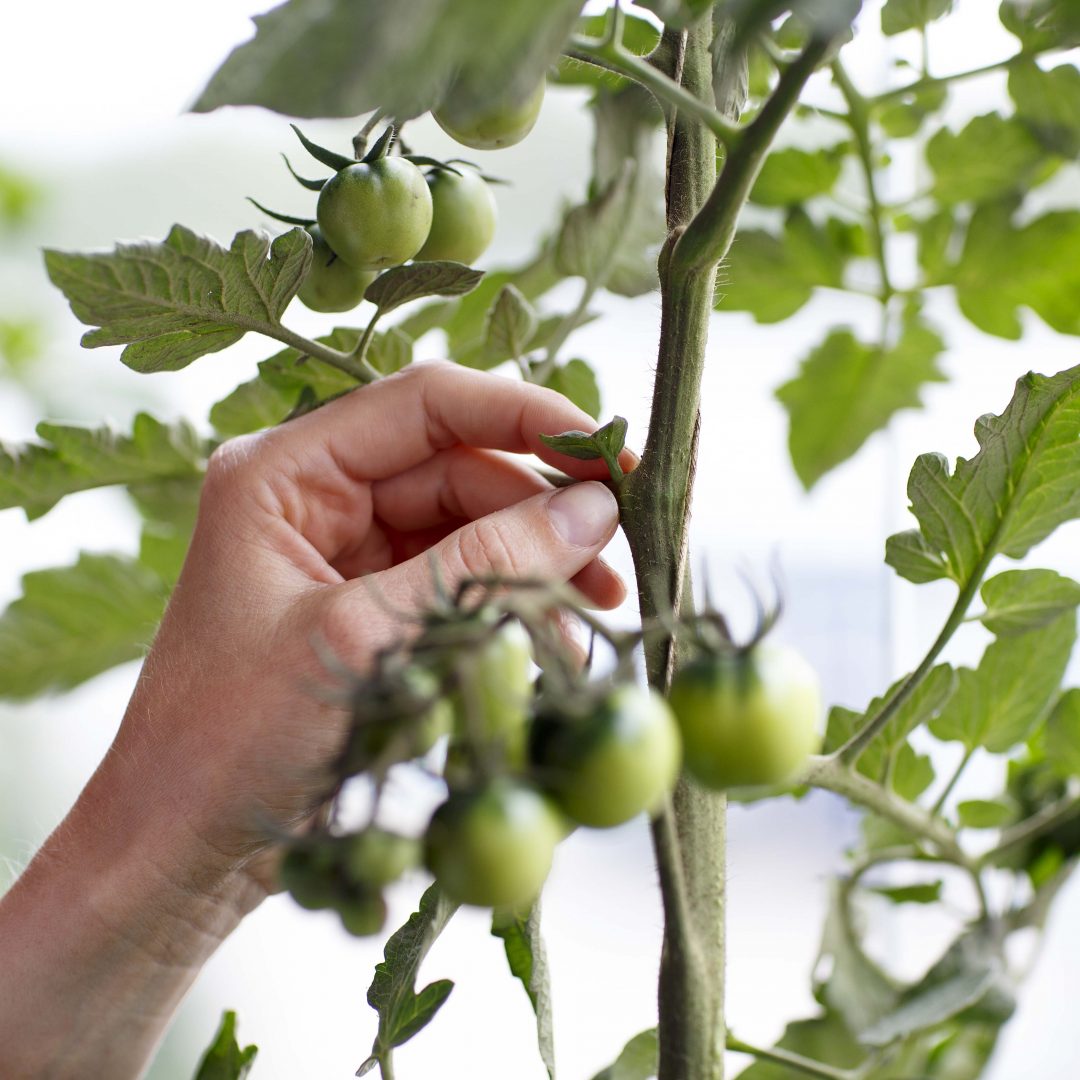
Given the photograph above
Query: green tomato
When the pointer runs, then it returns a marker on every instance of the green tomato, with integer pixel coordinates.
(331, 284)
(493, 846)
(376, 857)
(308, 874)
(363, 914)
(615, 764)
(463, 217)
(501, 124)
(748, 718)
(375, 215)
(491, 705)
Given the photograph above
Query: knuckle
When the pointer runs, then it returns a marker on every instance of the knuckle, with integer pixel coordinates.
(490, 548)
(230, 462)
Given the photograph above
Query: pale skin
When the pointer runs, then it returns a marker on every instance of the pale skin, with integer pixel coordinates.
(225, 740)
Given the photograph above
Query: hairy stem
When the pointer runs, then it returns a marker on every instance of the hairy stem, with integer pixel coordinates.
(361, 371)
(792, 1061)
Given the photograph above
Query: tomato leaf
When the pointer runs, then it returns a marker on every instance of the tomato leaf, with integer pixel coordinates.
(525, 953)
(1019, 487)
(224, 1060)
(70, 458)
(400, 284)
(900, 15)
(392, 994)
(928, 892)
(792, 176)
(577, 381)
(400, 57)
(1021, 600)
(74, 622)
(1000, 703)
(511, 325)
(824, 1039)
(1063, 735)
(984, 814)
(1042, 24)
(846, 390)
(1050, 102)
(173, 302)
(639, 1059)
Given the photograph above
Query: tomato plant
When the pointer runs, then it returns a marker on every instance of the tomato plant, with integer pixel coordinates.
(700, 109)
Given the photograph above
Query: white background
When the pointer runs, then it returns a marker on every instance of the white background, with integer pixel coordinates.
(91, 105)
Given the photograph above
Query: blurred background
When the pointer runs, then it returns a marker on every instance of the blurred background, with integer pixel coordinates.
(95, 146)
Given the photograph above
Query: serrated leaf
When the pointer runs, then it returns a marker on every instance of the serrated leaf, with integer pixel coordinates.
(525, 953)
(400, 284)
(772, 277)
(910, 554)
(846, 390)
(1000, 703)
(984, 814)
(639, 1059)
(1050, 102)
(575, 444)
(577, 381)
(1004, 267)
(792, 176)
(74, 622)
(168, 508)
(224, 1060)
(1019, 487)
(989, 158)
(511, 325)
(900, 15)
(399, 57)
(173, 302)
(912, 773)
(392, 994)
(72, 458)
(1021, 600)
(1063, 735)
(927, 892)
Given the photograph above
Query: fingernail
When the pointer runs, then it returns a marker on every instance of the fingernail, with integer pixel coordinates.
(584, 514)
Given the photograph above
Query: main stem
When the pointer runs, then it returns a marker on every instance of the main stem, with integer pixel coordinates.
(690, 836)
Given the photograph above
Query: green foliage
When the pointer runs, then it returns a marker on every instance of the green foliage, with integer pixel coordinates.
(172, 302)
(400, 284)
(392, 994)
(792, 176)
(1021, 600)
(512, 324)
(525, 953)
(900, 15)
(576, 380)
(1063, 735)
(846, 390)
(224, 1060)
(636, 1061)
(75, 622)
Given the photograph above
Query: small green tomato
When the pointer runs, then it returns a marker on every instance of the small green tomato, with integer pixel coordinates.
(463, 217)
(498, 125)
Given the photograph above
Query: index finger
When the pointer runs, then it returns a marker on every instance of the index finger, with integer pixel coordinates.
(395, 424)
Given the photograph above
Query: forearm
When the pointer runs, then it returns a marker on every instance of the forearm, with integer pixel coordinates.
(105, 931)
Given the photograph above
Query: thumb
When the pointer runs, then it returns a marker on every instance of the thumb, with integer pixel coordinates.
(549, 536)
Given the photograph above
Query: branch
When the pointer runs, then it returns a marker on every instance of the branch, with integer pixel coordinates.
(361, 371)
(708, 237)
(1046, 820)
(614, 57)
(792, 1061)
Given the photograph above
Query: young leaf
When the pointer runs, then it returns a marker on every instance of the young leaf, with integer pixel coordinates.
(36, 477)
(1000, 703)
(846, 390)
(400, 284)
(638, 1060)
(511, 325)
(606, 442)
(527, 958)
(224, 1060)
(1021, 600)
(74, 622)
(1063, 735)
(577, 381)
(1017, 489)
(392, 994)
(173, 302)
(398, 59)
(792, 176)
(984, 814)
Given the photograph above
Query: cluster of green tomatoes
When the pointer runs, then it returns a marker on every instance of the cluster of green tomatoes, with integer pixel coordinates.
(527, 760)
(384, 210)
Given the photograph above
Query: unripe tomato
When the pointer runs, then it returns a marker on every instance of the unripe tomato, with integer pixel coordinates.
(501, 124)
(493, 846)
(491, 705)
(363, 914)
(376, 857)
(614, 764)
(309, 876)
(463, 217)
(375, 215)
(331, 283)
(747, 718)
